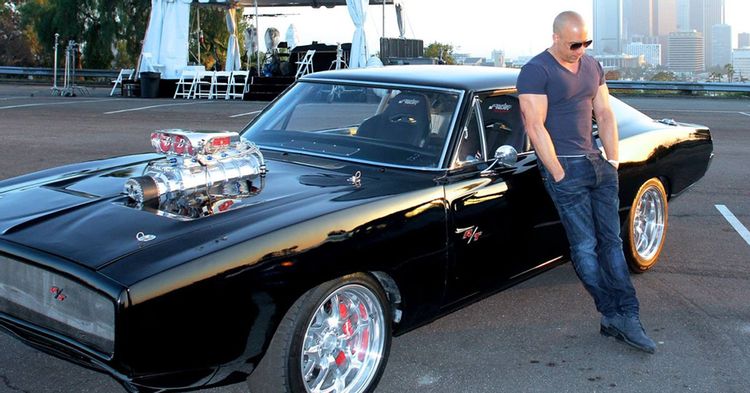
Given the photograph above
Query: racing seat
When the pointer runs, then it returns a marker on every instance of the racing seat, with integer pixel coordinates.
(503, 124)
(406, 119)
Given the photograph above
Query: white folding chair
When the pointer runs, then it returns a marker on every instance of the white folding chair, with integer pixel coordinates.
(220, 84)
(125, 73)
(202, 85)
(237, 84)
(186, 84)
(305, 66)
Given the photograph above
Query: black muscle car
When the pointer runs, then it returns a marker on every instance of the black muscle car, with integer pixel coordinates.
(357, 206)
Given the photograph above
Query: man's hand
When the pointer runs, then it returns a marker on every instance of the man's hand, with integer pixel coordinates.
(559, 178)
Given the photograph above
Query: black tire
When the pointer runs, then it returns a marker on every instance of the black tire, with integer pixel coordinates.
(646, 228)
(361, 303)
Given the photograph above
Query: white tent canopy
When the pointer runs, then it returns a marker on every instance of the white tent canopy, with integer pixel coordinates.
(165, 47)
(358, 12)
(288, 3)
(233, 46)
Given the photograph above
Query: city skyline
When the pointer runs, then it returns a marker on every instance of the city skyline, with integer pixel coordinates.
(474, 29)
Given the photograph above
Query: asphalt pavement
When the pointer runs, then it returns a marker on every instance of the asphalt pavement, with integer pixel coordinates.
(539, 336)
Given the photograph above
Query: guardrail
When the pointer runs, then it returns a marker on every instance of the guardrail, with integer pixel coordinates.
(40, 71)
(686, 87)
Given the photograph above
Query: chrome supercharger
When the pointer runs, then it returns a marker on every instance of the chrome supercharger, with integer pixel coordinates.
(197, 162)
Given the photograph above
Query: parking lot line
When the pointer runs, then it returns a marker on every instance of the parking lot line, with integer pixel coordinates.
(734, 222)
(14, 98)
(56, 103)
(746, 114)
(693, 111)
(247, 114)
(148, 107)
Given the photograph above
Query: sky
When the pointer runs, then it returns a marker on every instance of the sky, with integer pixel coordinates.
(474, 27)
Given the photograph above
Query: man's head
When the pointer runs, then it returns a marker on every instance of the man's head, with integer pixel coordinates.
(569, 37)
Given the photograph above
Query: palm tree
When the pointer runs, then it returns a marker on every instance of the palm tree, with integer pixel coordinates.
(730, 71)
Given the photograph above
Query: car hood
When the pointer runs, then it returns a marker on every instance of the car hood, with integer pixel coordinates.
(84, 216)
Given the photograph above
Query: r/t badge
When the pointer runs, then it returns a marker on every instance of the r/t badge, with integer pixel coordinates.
(470, 234)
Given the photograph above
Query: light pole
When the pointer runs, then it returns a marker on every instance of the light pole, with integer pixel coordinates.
(55, 89)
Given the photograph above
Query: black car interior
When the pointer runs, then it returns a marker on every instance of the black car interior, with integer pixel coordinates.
(406, 119)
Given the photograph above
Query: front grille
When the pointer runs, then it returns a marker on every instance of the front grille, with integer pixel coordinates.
(52, 301)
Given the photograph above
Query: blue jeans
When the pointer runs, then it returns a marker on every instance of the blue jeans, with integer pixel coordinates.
(587, 201)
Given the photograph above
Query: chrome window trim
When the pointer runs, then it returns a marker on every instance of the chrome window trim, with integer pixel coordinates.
(373, 163)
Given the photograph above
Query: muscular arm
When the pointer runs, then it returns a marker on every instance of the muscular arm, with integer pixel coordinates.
(534, 111)
(605, 118)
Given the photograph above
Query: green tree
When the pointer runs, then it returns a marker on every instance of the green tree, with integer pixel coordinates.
(729, 70)
(664, 76)
(213, 26)
(16, 48)
(132, 17)
(111, 33)
(444, 52)
(91, 23)
(613, 75)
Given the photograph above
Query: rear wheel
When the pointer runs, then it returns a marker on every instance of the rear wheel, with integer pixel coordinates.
(647, 226)
(335, 338)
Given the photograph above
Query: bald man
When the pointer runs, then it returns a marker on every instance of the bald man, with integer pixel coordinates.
(558, 90)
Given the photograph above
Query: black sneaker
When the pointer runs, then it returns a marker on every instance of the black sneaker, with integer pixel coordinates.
(629, 330)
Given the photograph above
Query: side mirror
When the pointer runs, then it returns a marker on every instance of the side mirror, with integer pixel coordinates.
(506, 155)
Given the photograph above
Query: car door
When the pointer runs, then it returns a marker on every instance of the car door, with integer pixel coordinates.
(497, 215)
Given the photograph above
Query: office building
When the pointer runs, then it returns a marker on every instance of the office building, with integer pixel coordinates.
(637, 18)
(741, 63)
(689, 15)
(651, 52)
(713, 14)
(665, 17)
(498, 57)
(664, 22)
(618, 62)
(721, 45)
(743, 40)
(608, 27)
(683, 15)
(686, 52)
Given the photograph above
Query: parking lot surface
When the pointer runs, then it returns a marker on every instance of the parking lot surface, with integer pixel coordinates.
(539, 336)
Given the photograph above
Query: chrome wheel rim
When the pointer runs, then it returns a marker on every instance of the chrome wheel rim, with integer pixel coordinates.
(648, 223)
(344, 342)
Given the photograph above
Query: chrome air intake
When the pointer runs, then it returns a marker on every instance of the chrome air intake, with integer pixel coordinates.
(196, 161)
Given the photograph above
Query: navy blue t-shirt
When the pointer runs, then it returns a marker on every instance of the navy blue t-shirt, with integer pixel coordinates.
(569, 97)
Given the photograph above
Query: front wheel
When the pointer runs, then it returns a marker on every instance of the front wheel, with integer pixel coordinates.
(335, 338)
(647, 226)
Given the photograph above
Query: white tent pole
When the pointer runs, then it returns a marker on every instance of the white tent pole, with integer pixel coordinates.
(54, 86)
(200, 34)
(257, 34)
(383, 19)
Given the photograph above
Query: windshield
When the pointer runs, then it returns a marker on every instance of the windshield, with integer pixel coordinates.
(393, 126)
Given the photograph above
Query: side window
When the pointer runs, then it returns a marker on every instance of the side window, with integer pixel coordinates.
(503, 124)
(470, 148)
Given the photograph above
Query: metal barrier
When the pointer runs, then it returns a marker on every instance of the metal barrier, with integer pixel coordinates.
(686, 87)
(39, 71)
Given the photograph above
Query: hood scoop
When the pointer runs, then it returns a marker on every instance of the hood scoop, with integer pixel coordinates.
(26, 206)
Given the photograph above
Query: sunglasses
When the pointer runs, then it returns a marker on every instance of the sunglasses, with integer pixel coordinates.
(578, 45)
